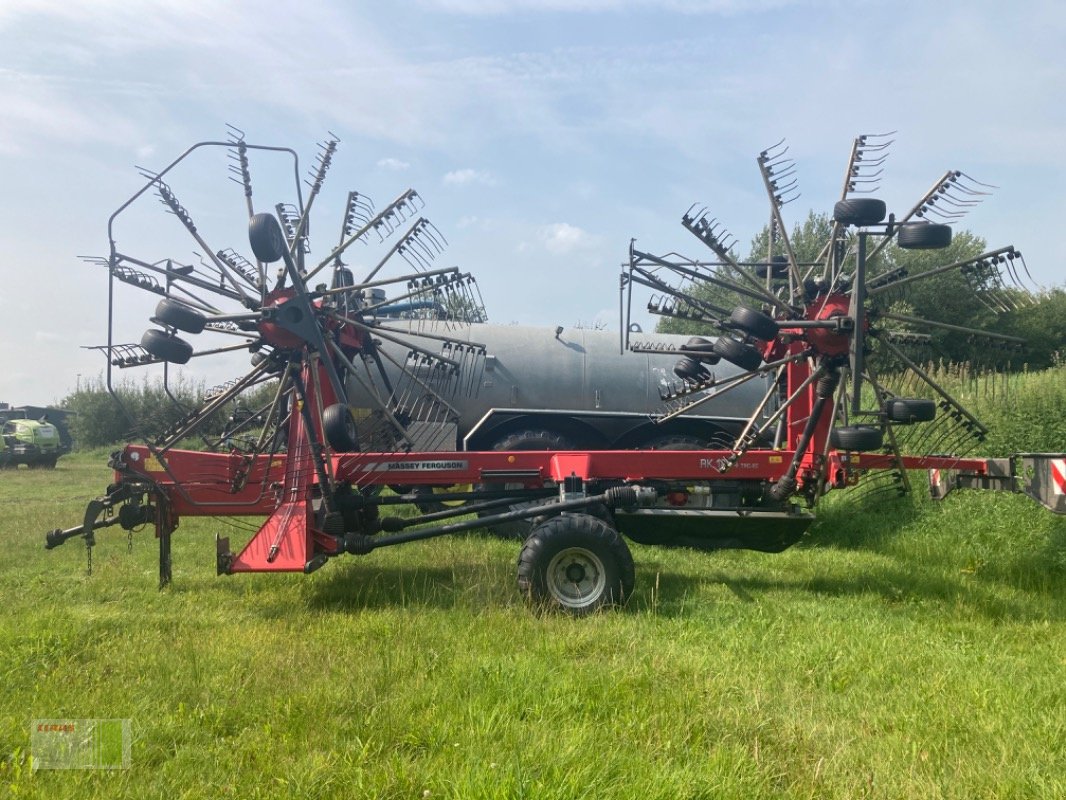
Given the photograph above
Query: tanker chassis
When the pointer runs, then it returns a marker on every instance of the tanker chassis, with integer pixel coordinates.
(564, 389)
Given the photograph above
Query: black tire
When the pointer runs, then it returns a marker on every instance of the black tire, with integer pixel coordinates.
(923, 236)
(860, 211)
(339, 428)
(431, 505)
(576, 563)
(677, 441)
(266, 238)
(166, 348)
(533, 439)
(857, 438)
(906, 410)
(778, 267)
(689, 369)
(743, 355)
(701, 350)
(753, 322)
(49, 463)
(180, 316)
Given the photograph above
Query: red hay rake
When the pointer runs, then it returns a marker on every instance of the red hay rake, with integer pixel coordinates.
(324, 481)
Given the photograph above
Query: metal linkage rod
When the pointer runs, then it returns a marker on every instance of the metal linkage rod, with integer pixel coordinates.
(1008, 252)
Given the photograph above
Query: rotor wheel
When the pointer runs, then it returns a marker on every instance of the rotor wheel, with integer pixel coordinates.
(166, 348)
(575, 563)
(700, 349)
(859, 211)
(857, 438)
(777, 267)
(754, 322)
(906, 410)
(735, 352)
(339, 428)
(266, 238)
(180, 316)
(923, 236)
(689, 369)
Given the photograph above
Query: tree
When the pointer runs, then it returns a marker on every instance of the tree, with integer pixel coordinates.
(99, 420)
(1043, 325)
(950, 297)
(807, 239)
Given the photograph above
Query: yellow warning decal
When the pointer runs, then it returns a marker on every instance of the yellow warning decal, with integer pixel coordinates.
(776, 459)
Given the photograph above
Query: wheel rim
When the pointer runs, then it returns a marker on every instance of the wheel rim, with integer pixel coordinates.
(576, 577)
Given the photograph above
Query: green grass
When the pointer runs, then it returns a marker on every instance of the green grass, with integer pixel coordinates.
(901, 650)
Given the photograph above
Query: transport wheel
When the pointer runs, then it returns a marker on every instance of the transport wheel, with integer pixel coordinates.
(180, 316)
(923, 236)
(266, 238)
(743, 355)
(857, 438)
(859, 211)
(906, 410)
(534, 439)
(756, 323)
(338, 426)
(166, 348)
(576, 563)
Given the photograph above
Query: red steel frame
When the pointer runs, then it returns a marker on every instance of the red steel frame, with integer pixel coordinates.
(282, 487)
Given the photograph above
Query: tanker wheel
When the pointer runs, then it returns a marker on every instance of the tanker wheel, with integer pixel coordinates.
(576, 563)
(533, 439)
(677, 441)
(430, 504)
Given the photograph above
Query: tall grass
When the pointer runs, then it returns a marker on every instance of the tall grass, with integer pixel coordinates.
(1024, 411)
(908, 650)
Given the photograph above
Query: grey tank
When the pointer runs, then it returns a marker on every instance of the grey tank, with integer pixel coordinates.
(575, 383)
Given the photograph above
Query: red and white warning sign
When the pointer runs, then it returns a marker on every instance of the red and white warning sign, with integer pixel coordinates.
(1058, 475)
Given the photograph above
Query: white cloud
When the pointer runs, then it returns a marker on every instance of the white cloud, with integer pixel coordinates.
(562, 238)
(466, 177)
(494, 7)
(394, 164)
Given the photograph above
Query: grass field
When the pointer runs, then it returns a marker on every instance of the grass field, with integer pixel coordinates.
(902, 650)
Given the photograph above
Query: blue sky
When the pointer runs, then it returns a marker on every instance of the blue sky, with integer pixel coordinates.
(543, 134)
